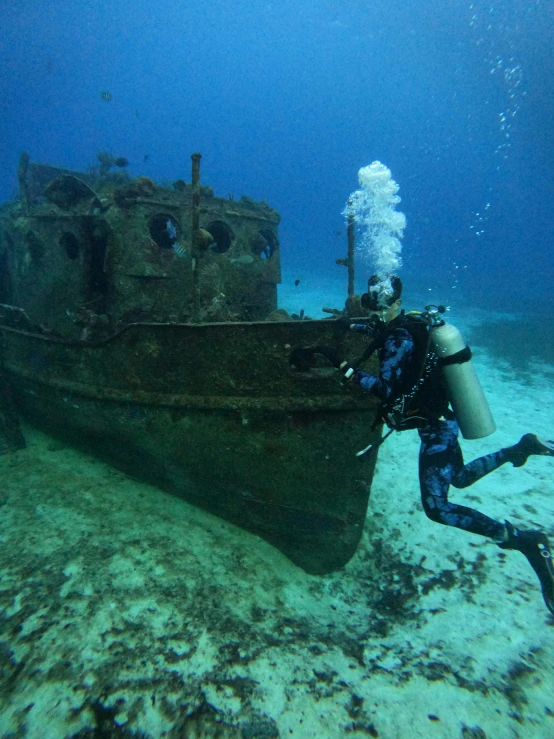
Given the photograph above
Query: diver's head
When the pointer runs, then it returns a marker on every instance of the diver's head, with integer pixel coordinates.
(372, 300)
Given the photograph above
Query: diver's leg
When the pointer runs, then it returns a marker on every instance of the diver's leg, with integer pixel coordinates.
(440, 458)
(439, 461)
(466, 475)
(533, 544)
(536, 547)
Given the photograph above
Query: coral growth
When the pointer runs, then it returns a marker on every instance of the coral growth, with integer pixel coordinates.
(139, 188)
(107, 161)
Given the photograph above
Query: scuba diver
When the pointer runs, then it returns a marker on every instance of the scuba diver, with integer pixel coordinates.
(422, 374)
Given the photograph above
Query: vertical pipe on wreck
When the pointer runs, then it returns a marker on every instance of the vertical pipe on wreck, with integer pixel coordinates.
(22, 171)
(195, 226)
(350, 255)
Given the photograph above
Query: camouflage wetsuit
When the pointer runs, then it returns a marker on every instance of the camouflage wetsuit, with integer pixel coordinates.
(441, 461)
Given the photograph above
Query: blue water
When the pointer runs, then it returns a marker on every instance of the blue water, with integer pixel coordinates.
(286, 101)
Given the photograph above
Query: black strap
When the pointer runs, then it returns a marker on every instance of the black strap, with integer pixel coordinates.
(464, 355)
(375, 344)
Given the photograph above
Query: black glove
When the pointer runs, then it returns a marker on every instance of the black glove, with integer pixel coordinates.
(330, 353)
(301, 359)
(375, 323)
(333, 356)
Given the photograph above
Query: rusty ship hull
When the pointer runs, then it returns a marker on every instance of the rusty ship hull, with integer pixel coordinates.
(235, 432)
(141, 323)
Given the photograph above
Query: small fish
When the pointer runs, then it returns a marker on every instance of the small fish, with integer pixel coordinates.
(180, 250)
(107, 96)
(121, 162)
(171, 229)
(296, 283)
(244, 259)
(145, 158)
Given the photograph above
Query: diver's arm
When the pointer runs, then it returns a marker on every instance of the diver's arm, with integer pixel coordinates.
(396, 354)
(371, 329)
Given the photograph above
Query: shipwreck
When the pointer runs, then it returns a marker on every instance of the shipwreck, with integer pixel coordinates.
(141, 323)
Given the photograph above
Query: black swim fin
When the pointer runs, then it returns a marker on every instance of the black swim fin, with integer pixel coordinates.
(536, 547)
(527, 446)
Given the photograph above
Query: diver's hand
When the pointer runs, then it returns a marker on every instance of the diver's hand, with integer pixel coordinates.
(346, 370)
(330, 353)
(376, 324)
(301, 359)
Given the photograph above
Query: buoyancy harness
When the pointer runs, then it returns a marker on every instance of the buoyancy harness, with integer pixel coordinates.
(422, 394)
(441, 373)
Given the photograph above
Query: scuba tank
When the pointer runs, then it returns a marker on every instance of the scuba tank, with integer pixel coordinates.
(466, 394)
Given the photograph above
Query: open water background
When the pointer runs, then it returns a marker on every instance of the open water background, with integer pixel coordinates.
(286, 101)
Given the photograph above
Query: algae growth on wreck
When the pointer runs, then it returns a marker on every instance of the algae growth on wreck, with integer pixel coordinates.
(189, 607)
(173, 364)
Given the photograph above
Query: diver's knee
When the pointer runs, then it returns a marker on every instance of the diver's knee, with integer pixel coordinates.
(461, 482)
(432, 511)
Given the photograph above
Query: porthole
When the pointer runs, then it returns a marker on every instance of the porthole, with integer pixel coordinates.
(164, 230)
(70, 243)
(222, 234)
(272, 243)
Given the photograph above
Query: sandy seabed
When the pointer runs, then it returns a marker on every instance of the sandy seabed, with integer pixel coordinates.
(126, 612)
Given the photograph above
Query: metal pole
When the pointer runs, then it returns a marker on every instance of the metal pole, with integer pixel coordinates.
(22, 178)
(349, 261)
(350, 257)
(195, 226)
